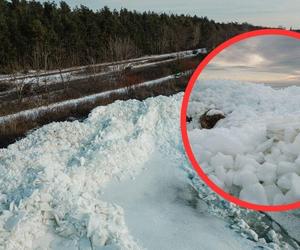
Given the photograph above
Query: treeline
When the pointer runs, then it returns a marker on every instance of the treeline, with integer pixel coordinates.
(36, 35)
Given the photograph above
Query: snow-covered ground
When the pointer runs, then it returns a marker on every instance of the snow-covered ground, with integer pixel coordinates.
(35, 112)
(119, 180)
(162, 211)
(254, 153)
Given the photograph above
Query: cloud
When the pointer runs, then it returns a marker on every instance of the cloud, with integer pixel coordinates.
(263, 59)
(246, 60)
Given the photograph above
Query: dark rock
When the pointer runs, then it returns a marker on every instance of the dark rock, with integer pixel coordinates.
(210, 118)
(189, 119)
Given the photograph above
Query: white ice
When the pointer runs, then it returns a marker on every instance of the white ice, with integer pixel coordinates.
(254, 152)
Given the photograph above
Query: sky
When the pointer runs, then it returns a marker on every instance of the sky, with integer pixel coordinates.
(271, 13)
(270, 59)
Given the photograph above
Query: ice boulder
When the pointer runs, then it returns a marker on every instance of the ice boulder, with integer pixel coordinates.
(295, 188)
(254, 193)
(221, 159)
(244, 178)
(287, 180)
(218, 140)
(273, 192)
(229, 178)
(289, 134)
(243, 160)
(285, 167)
(267, 173)
(295, 146)
(220, 172)
(297, 165)
(267, 145)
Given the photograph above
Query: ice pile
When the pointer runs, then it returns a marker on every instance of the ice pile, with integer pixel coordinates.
(53, 185)
(254, 153)
(51, 181)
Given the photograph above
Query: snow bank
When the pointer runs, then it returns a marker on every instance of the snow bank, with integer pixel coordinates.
(254, 152)
(51, 181)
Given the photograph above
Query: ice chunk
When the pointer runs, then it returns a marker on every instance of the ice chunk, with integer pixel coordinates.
(221, 159)
(286, 180)
(272, 235)
(259, 157)
(217, 140)
(13, 221)
(265, 146)
(289, 197)
(272, 191)
(254, 193)
(242, 160)
(297, 165)
(275, 152)
(220, 172)
(253, 235)
(245, 178)
(297, 140)
(285, 167)
(295, 146)
(289, 134)
(293, 194)
(84, 244)
(229, 178)
(251, 167)
(267, 173)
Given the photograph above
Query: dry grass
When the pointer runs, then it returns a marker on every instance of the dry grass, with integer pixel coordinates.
(45, 95)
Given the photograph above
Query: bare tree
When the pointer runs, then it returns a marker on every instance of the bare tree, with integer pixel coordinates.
(20, 87)
(92, 68)
(19, 83)
(47, 89)
(122, 48)
(64, 77)
(196, 36)
(164, 41)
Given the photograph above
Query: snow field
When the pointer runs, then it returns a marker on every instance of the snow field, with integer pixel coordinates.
(254, 153)
(77, 73)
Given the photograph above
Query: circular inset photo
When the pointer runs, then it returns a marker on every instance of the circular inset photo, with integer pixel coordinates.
(240, 120)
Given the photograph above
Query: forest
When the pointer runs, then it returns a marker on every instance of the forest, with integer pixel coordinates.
(44, 36)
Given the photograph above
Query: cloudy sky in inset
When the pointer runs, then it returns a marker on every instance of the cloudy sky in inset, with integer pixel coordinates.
(269, 59)
(261, 12)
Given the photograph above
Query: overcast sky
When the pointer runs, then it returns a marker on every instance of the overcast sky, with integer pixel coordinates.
(268, 59)
(262, 12)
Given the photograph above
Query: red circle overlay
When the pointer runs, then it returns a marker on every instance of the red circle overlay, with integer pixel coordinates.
(184, 107)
